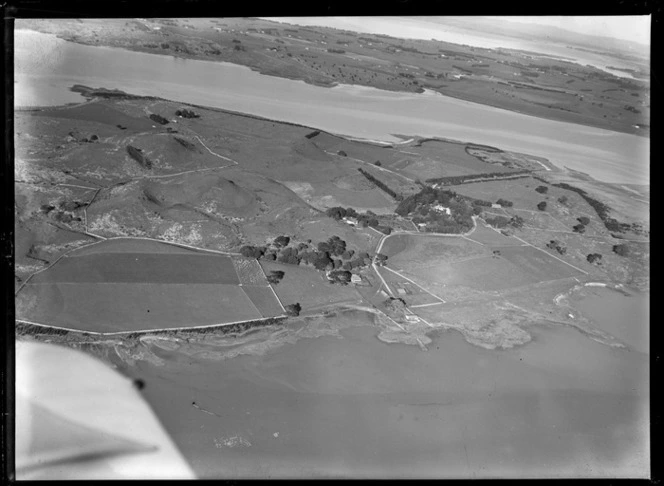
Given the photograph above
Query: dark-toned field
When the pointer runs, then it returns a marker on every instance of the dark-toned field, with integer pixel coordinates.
(141, 268)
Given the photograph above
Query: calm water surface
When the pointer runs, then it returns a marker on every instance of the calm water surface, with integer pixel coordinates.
(563, 405)
(46, 67)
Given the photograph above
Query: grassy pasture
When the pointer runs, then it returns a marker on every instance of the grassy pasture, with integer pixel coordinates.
(424, 168)
(99, 112)
(487, 273)
(116, 307)
(538, 264)
(165, 268)
(308, 286)
(170, 156)
(411, 293)
(520, 191)
(485, 235)
(424, 251)
(453, 153)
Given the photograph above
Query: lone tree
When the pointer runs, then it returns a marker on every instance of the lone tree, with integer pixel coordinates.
(594, 258)
(340, 276)
(542, 189)
(293, 310)
(249, 251)
(542, 206)
(579, 228)
(275, 276)
(377, 163)
(621, 249)
(281, 241)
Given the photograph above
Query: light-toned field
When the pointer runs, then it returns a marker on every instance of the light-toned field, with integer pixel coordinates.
(324, 195)
(489, 237)
(453, 261)
(406, 290)
(406, 251)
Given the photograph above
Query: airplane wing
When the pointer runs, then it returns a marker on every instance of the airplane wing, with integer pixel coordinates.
(77, 418)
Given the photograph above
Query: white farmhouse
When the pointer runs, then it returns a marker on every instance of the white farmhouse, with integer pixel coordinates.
(442, 209)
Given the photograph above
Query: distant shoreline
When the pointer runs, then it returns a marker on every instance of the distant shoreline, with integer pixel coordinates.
(542, 114)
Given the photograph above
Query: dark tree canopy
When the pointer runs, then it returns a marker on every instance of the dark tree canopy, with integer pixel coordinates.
(293, 309)
(542, 206)
(275, 276)
(340, 276)
(583, 220)
(249, 251)
(542, 189)
(594, 257)
(505, 203)
(621, 249)
(281, 241)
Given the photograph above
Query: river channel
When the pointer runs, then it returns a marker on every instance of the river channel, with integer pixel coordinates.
(46, 67)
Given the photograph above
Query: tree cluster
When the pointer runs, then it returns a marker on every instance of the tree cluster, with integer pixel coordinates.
(363, 219)
(600, 208)
(621, 249)
(542, 189)
(420, 207)
(594, 258)
(184, 113)
(341, 277)
(275, 277)
(293, 310)
(505, 203)
(159, 119)
(555, 245)
(138, 156)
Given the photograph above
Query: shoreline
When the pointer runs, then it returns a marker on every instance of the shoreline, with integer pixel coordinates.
(403, 141)
(560, 119)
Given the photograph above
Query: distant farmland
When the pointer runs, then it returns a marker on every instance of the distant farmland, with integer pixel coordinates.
(132, 285)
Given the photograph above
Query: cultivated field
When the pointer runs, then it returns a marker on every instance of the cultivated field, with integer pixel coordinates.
(141, 285)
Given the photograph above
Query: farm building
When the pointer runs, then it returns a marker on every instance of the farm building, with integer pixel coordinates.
(350, 221)
(496, 206)
(355, 278)
(441, 209)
